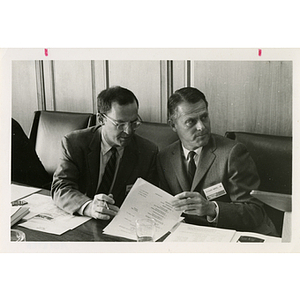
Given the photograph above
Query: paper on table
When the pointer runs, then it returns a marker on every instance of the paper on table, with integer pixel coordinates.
(14, 209)
(46, 216)
(38, 203)
(17, 213)
(194, 233)
(144, 201)
(19, 191)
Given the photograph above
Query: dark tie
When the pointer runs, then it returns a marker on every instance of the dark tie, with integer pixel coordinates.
(191, 166)
(109, 172)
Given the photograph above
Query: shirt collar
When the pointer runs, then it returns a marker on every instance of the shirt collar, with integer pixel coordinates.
(105, 146)
(186, 151)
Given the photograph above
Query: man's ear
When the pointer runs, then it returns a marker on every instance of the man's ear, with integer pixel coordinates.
(172, 124)
(100, 119)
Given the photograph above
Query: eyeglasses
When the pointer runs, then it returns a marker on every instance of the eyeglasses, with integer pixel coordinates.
(122, 126)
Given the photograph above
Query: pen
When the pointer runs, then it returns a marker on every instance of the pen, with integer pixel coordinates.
(18, 202)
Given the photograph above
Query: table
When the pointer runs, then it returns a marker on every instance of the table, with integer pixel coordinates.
(90, 231)
(86, 232)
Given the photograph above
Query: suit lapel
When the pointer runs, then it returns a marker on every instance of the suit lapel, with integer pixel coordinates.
(178, 167)
(93, 159)
(206, 159)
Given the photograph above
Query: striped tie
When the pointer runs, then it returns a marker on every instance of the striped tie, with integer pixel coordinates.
(191, 166)
(109, 173)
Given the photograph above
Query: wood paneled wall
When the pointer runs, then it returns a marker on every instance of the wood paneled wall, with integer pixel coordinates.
(24, 92)
(247, 96)
(144, 79)
(243, 95)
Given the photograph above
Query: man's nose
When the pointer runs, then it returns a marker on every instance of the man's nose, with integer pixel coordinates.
(128, 129)
(200, 126)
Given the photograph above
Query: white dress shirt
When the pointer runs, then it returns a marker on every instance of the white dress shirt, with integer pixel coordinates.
(197, 159)
(105, 155)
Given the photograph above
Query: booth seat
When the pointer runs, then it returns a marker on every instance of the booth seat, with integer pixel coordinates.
(26, 167)
(48, 129)
(273, 158)
(159, 133)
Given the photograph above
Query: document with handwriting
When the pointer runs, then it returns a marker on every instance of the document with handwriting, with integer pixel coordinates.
(144, 201)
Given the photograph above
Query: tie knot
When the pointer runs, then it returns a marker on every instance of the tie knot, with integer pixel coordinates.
(191, 155)
(113, 150)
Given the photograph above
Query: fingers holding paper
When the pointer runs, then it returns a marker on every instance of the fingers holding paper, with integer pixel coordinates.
(193, 203)
(102, 207)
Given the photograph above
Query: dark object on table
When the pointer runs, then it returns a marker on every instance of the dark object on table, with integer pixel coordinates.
(249, 239)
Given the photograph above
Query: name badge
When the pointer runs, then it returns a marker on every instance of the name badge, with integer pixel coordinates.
(214, 191)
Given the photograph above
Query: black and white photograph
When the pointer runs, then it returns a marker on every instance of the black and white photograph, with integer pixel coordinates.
(149, 149)
(190, 151)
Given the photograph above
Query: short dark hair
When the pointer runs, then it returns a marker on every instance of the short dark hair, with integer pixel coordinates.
(186, 94)
(117, 94)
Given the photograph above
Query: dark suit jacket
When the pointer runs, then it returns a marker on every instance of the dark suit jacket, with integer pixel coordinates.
(75, 180)
(221, 160)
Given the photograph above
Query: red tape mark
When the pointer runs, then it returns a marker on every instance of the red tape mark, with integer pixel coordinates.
(259, 52)
(46, 52)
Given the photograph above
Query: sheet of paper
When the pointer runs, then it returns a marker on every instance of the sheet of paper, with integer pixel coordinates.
(38, 204)
(17, 213)
(194, 233)
(19, 191)
(144, 201)
(46, 216)
(14, 209)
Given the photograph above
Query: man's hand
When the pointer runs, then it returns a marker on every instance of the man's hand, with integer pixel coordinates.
(194, 204)
(101, 207)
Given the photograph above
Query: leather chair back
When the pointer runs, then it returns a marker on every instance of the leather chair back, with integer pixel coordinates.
(159, 133)
(26, 167)
(48, 129)
(273, 158)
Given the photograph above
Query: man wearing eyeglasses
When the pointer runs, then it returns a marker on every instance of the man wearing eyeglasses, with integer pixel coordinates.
(100, 164)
